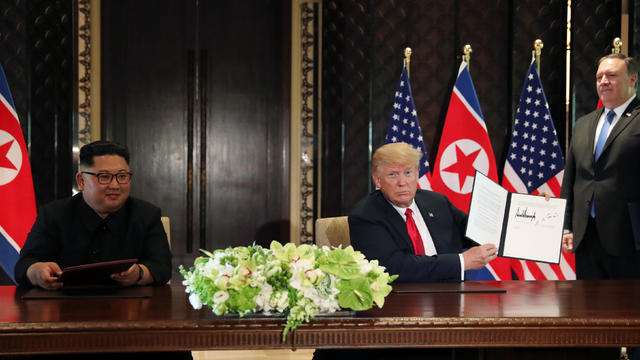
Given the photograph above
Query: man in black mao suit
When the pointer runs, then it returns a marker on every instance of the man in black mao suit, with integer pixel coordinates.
(100, 223)
(378, 224)
(600, 191)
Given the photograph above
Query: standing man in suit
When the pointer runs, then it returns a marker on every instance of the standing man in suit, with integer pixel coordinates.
(602, 175)
(417, 234)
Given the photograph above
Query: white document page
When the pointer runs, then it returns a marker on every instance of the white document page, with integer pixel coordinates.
(534, 228)
(486, 211)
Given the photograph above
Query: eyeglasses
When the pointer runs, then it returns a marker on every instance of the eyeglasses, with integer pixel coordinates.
(106, 178)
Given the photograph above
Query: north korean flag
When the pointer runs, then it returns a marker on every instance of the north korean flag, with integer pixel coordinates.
(464, 148)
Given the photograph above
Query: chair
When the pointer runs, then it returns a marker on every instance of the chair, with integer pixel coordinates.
(166, 224)
(333, 231)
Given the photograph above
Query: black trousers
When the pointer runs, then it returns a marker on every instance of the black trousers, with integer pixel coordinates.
(594, 263)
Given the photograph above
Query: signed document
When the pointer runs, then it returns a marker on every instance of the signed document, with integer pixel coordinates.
(522, 226)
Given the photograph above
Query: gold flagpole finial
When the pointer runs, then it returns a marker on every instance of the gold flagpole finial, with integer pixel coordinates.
(467, 50)
(538, 45)
(407, 58)
(617, 45)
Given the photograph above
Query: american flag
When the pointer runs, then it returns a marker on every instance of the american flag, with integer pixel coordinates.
(534, 164)
(16, 186)
(404, 126)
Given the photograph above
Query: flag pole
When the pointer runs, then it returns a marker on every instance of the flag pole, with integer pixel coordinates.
(407, 59)
(537, 45)
(617, 45)
(466, 50)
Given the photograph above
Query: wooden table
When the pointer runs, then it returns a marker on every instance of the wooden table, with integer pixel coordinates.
(529, 313)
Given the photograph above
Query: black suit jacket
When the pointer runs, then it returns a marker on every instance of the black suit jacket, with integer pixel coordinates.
(379, 232)
(613, 182)
(68, 232)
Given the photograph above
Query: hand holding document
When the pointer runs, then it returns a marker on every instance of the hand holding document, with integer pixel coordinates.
(522, 226)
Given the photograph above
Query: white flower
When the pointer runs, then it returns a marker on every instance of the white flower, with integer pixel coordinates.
(220, 296)
(365, 266)
(280, 301)
(263, 297)
(194, 299)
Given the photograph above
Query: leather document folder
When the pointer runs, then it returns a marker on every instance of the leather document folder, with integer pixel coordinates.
(94, 274)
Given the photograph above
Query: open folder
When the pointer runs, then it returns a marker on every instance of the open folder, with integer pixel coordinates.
(522, 226)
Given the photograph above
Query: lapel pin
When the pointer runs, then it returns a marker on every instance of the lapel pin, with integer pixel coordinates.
(431, 215)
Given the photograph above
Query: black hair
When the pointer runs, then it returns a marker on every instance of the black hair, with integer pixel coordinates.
(100, 148)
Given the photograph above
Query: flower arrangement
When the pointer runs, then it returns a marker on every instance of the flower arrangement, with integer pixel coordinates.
(300, 281)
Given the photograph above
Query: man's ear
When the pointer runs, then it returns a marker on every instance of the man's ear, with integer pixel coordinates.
(80, 181)
(634, 77)
(376, 180)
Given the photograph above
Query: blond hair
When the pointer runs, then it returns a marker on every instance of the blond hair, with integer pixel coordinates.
(396, 154)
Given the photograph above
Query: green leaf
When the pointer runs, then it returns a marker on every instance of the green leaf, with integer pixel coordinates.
(355, 294)
(341, 264)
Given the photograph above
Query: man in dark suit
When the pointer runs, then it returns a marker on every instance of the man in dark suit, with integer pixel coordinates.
(100, 223)
(424, 244)
(602, 177)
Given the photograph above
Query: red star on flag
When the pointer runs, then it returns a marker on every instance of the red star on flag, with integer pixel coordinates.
(4, 160)
(464, 166)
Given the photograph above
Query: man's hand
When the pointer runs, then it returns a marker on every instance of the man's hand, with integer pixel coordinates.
(45, 275)
(479, 256)
(546, 195)
(567, 242)
(129, 277)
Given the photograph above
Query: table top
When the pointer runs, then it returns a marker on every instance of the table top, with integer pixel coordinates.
(528, 313)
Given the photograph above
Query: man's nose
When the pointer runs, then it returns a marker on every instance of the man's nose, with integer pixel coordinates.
(114, 182)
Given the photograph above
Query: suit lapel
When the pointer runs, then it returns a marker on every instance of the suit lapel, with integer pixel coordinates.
(428, 215)
(629, 114)
(395, 219)
(593, 125)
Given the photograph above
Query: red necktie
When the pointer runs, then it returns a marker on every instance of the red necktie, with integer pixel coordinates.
(414, 234)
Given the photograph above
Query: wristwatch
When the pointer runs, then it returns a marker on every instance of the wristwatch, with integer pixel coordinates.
(141, 272)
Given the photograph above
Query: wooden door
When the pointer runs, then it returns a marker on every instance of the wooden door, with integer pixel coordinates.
(199, 91)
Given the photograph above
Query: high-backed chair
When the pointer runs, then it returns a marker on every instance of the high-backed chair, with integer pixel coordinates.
(166, 224)
(333, 231)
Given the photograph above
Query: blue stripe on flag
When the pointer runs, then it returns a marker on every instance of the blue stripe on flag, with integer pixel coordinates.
(465, 86)
(478, 275)
(4, 89)
(8, 257)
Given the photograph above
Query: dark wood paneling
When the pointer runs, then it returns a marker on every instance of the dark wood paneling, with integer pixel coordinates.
(247, 125)
(145, 48)
(163, 61)
(597, 24)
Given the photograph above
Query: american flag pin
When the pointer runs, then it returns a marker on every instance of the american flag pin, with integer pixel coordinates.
(431, 215)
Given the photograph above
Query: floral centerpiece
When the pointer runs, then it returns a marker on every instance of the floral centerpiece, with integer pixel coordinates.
(300, 281)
